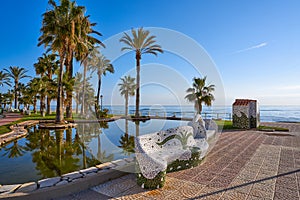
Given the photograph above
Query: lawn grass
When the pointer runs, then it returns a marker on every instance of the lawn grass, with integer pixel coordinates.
(5, 128)
(227, 125)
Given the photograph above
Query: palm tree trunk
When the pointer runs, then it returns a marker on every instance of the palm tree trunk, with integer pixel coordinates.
(42, 105)
(34, 105)
(83, 88)
(126, 126)
(126, 105)
(77, 103)
(99, 88)
(69, 109)
(48, 105)
(199, 107)
(16, 94)
(59, 106)
(137, 99)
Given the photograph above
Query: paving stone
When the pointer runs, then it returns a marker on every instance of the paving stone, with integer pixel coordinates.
(264, 187)
(234, 195)
(289, 191)
(115, 187)
(261, 193)
(27, 187)
(280, 196)
(49, 182)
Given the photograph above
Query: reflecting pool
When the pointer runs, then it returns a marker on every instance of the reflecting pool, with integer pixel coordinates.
(45, 153)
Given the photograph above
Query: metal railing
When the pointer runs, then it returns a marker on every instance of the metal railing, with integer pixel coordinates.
(205, 115)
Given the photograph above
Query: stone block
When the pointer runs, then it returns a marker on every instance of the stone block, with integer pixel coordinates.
(27, 187)
(72, 175)
(49, 182)
(9, 188)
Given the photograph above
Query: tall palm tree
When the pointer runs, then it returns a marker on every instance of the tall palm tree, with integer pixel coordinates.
(200, 93)
(101, 65)
(66, 30)
(16, 73)
(142, 43)
(4, 79)
(46, 67)
(127, 88)
(34, 90)
(77, 89)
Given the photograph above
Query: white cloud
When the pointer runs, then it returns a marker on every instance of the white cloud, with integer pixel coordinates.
(251, 48)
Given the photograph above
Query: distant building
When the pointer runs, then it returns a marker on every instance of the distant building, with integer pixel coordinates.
(245, 114)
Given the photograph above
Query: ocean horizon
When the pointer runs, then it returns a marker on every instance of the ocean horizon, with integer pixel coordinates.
(268, 113)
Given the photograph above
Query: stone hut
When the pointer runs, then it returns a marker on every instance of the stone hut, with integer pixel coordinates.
(245, 113)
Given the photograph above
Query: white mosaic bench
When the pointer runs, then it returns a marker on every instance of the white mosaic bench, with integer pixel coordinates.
(170, 150)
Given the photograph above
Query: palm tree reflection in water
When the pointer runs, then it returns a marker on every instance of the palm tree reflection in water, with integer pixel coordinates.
(127, 141)
(57, 152)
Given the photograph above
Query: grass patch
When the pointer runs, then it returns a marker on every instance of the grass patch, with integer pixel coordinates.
(227, 125)
(37, 117)
(5, 129)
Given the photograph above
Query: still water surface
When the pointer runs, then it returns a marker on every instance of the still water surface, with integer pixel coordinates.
(49, 153)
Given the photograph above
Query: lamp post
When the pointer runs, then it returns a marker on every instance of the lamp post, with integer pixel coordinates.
(101, 97)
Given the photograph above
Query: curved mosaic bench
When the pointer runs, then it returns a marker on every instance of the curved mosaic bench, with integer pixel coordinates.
(171, 150)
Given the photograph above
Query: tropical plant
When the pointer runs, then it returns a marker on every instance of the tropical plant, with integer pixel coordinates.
(21, 92)
(67, 31)
(101, 65)
(127, 88)
(77, 89)
(200, 93)
(46, 67)
(34, 90)
(142, 43)
(16, 73)
(4, 79)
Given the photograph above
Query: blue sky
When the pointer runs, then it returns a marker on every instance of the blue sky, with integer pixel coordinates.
(255, 44)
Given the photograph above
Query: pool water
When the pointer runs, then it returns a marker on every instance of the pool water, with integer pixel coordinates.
(47, 153)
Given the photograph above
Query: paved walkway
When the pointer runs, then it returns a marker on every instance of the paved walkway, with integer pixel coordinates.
(242, 165)
(10, 117)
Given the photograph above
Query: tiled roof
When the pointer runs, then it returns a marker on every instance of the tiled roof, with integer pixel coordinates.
(243, 102)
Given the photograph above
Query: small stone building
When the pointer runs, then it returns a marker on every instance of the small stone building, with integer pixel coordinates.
(245, 114)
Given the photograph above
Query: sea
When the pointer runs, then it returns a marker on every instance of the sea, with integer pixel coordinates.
(267, 113)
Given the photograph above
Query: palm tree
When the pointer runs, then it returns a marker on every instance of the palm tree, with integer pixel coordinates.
(200, 93)
(16, 73)
(46, 67)
(100, 64)
(141, 43)
(77, 89)
(127, 88)
(67, 31)
(4, 79)
(34, 90)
